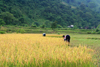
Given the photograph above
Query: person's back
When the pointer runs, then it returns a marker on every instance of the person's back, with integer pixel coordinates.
(44, 34)
(67, 38)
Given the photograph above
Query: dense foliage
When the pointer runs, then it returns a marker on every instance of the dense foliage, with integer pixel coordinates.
(45, 12)
(93, 4)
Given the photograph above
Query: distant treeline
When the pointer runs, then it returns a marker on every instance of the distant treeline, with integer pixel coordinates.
(92, 4)
(45, 12)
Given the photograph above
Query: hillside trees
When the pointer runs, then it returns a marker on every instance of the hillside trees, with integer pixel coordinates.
(92, 5)
(54, 25)
(8, 18)
(47, 24)
(21, 12)
(2, 22)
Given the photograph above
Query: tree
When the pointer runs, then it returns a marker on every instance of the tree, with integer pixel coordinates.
(2, 22)
(59, 26)
(43, 26)
(36, 23)
(47, 24)
(82, 6)
(98, 27)
(8, 18)
(54, 25)
(22, 20)
(92, 5)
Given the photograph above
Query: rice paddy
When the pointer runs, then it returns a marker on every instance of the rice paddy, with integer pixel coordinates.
(34, 50)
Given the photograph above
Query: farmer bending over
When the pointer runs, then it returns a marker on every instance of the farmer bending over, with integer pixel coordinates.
(67, 38)
(44, 34)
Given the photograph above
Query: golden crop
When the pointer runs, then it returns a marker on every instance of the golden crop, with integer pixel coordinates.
(30, 48)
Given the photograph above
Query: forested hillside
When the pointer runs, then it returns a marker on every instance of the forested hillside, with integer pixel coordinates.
(44, 12)
(92, 4)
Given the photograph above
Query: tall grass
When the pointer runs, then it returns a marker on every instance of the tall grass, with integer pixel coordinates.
(34, 50)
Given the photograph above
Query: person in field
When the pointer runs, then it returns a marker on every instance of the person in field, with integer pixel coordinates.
(67, 38)
(44, 34)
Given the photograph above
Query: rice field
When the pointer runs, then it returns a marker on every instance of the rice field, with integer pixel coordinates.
(34, 50)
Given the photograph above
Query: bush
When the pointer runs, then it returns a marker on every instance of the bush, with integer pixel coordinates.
(2, 32)
(42, 26)
(98, 32)
(2, 22)
(58, 33)
(33, 26)
(88, 32)
(93, 32)
(59, 26)
(20, 31)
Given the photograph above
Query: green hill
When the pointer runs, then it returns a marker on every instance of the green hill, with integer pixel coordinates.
(37, 12)
(92, 4)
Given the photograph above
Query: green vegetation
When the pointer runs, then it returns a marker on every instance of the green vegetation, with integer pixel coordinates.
(2, 32)
(43, 13)
(50, 63)
(43, 29)
(39, 51)
(90, 40)
(92, 4)
(54, 16)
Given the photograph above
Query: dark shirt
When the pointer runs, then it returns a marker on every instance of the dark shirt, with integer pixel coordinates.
(67, 38)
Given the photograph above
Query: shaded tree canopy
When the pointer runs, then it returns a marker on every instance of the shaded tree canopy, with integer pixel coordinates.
(39, 12)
